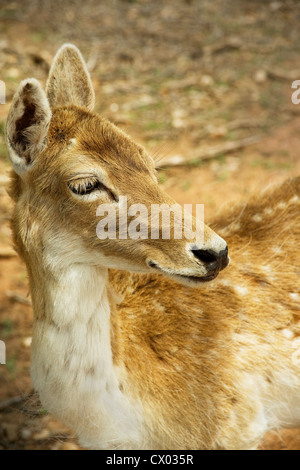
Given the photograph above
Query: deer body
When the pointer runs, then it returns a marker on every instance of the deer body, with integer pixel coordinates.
(123, 352)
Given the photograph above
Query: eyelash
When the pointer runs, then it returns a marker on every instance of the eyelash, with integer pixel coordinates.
(84, 186)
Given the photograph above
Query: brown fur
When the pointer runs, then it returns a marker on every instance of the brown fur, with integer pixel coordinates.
(196, 400)
(204, 362)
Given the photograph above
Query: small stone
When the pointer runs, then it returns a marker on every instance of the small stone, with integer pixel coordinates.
(178, 113)
(207, 80)
(178, 123)
(27, 342)
(260, 76)
(275, 6)
(13, 72)
(114, 107)
(25, 433)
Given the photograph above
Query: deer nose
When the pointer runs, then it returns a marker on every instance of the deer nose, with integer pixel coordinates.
(213, 261)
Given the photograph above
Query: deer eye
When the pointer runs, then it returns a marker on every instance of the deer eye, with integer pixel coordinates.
(84, 186)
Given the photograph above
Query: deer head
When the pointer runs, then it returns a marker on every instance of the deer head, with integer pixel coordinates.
(67, 162)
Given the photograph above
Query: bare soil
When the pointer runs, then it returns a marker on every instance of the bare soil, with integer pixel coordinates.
(179, 76)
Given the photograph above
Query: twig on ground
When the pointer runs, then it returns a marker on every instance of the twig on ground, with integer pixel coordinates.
(18, 297)
(12, 401)
(223, 46)
(279, 75)
(237, 124)
(243, 124)
(208, 153)
(7, 253)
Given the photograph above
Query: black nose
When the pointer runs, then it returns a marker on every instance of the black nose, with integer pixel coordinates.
(213, 261)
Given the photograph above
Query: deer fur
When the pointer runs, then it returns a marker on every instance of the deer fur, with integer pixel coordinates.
(129, 347)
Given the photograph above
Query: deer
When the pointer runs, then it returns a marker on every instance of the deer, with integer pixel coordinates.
(145, 344)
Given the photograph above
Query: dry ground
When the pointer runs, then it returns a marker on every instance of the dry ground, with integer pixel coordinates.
(181, 77)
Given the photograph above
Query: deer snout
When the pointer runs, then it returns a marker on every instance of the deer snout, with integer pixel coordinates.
(213, 261)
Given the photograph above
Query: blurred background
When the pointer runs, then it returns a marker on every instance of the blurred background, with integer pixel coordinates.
(205, 86)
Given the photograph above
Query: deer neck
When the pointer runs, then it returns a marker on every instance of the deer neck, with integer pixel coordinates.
(72, 362)
(71, 307)
(73, 294)
(71, 333)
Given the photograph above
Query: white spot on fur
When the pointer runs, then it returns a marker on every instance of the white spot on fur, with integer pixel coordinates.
(159, 307)
(294, 200)
(294, 296)
(266, 268)
(268, 271)
(241, 290)
(281, 205)
(257, 218)
(287, 333)
(235, 227)
(268, 211)
(72, 143)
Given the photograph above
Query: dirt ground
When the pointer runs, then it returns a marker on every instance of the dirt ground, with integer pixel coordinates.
(182, 77)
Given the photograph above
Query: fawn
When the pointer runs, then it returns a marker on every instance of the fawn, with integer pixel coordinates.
(137, 344)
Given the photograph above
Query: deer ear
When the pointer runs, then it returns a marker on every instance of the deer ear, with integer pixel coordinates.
(27, 125)
(69, 81)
